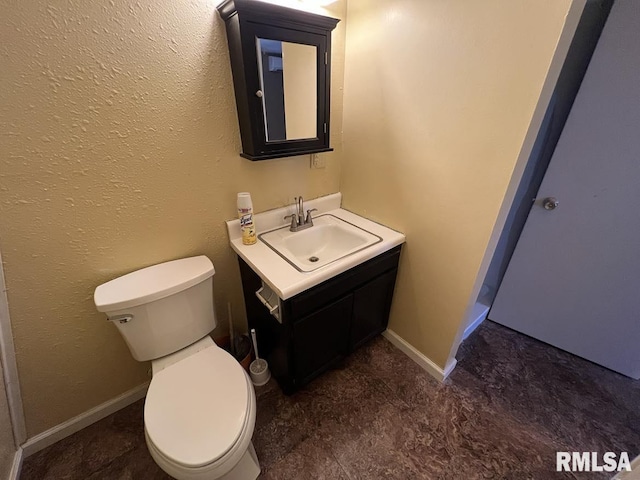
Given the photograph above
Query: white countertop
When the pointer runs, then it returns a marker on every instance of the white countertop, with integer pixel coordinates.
(282, 277)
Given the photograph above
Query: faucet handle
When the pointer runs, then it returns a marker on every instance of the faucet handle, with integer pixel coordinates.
(294, 218)
(309, 219)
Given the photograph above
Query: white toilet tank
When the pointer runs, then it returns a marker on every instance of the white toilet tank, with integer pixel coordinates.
(163, 308)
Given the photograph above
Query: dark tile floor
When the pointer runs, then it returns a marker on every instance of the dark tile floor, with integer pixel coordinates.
(510, 404)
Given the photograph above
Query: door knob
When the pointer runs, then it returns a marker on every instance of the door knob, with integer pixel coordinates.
(550, 203)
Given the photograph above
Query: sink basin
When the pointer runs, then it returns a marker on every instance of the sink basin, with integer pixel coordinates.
(330, 239)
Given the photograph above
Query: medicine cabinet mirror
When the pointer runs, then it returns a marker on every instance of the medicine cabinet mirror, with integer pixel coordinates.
(280, 60)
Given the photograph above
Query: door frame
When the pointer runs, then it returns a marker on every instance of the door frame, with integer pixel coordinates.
(10, 367)
(525, 156)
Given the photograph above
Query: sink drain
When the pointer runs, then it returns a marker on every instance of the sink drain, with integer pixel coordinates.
(313, 259)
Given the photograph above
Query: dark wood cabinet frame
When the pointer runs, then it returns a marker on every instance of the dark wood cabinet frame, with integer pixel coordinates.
(247, 20)
(321, 326)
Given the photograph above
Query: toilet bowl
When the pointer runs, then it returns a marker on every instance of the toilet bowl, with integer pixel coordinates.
(200, 408)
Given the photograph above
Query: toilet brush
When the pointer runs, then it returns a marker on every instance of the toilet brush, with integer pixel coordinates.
(240, 344)
(231, 332)
(259, 369)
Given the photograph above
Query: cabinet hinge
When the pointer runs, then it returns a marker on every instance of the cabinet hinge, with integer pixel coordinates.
(326, 58)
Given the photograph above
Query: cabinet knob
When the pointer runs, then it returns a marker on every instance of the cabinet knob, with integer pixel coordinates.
(259, 94)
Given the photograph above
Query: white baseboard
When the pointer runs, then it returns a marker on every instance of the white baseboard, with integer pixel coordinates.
(423, 361)
(478, 315)
(77, 423)
(16, 467)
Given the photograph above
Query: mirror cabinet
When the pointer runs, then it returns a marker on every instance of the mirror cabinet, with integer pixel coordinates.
(281, 65)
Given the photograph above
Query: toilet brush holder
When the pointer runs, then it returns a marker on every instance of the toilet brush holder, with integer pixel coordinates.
(259, 372)
(259, 369)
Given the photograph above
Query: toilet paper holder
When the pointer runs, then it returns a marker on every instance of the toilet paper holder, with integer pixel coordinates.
(269, 299)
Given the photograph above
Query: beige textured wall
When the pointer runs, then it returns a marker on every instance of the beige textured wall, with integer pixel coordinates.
(119, 149)
(438, 99)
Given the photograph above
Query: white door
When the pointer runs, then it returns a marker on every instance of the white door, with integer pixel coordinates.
(574, 278)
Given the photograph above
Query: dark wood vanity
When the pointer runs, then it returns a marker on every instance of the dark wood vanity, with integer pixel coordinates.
(319, 327)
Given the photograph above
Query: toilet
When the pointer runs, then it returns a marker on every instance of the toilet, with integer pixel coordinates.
(200, 409)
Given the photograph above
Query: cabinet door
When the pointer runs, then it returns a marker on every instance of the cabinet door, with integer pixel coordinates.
(371, 305)
(281, 64)
(321, 339)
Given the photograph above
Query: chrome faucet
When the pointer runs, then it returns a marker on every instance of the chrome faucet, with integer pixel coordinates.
(298, 219)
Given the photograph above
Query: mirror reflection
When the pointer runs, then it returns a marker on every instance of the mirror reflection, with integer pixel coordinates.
(288, 80)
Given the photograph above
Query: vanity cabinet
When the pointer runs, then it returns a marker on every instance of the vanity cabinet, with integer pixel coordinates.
(371, 304)
(281, 65)
(319, 327)
(320, 339)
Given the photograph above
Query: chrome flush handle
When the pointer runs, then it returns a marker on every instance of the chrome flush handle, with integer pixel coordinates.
(126, 318)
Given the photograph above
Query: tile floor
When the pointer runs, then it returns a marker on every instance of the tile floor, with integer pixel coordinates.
(509, 405)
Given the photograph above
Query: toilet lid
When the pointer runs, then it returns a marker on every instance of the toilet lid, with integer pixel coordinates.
(196, 408)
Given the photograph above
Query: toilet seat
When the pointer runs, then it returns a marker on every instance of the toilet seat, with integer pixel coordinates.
(240, 463)
(197, 408)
